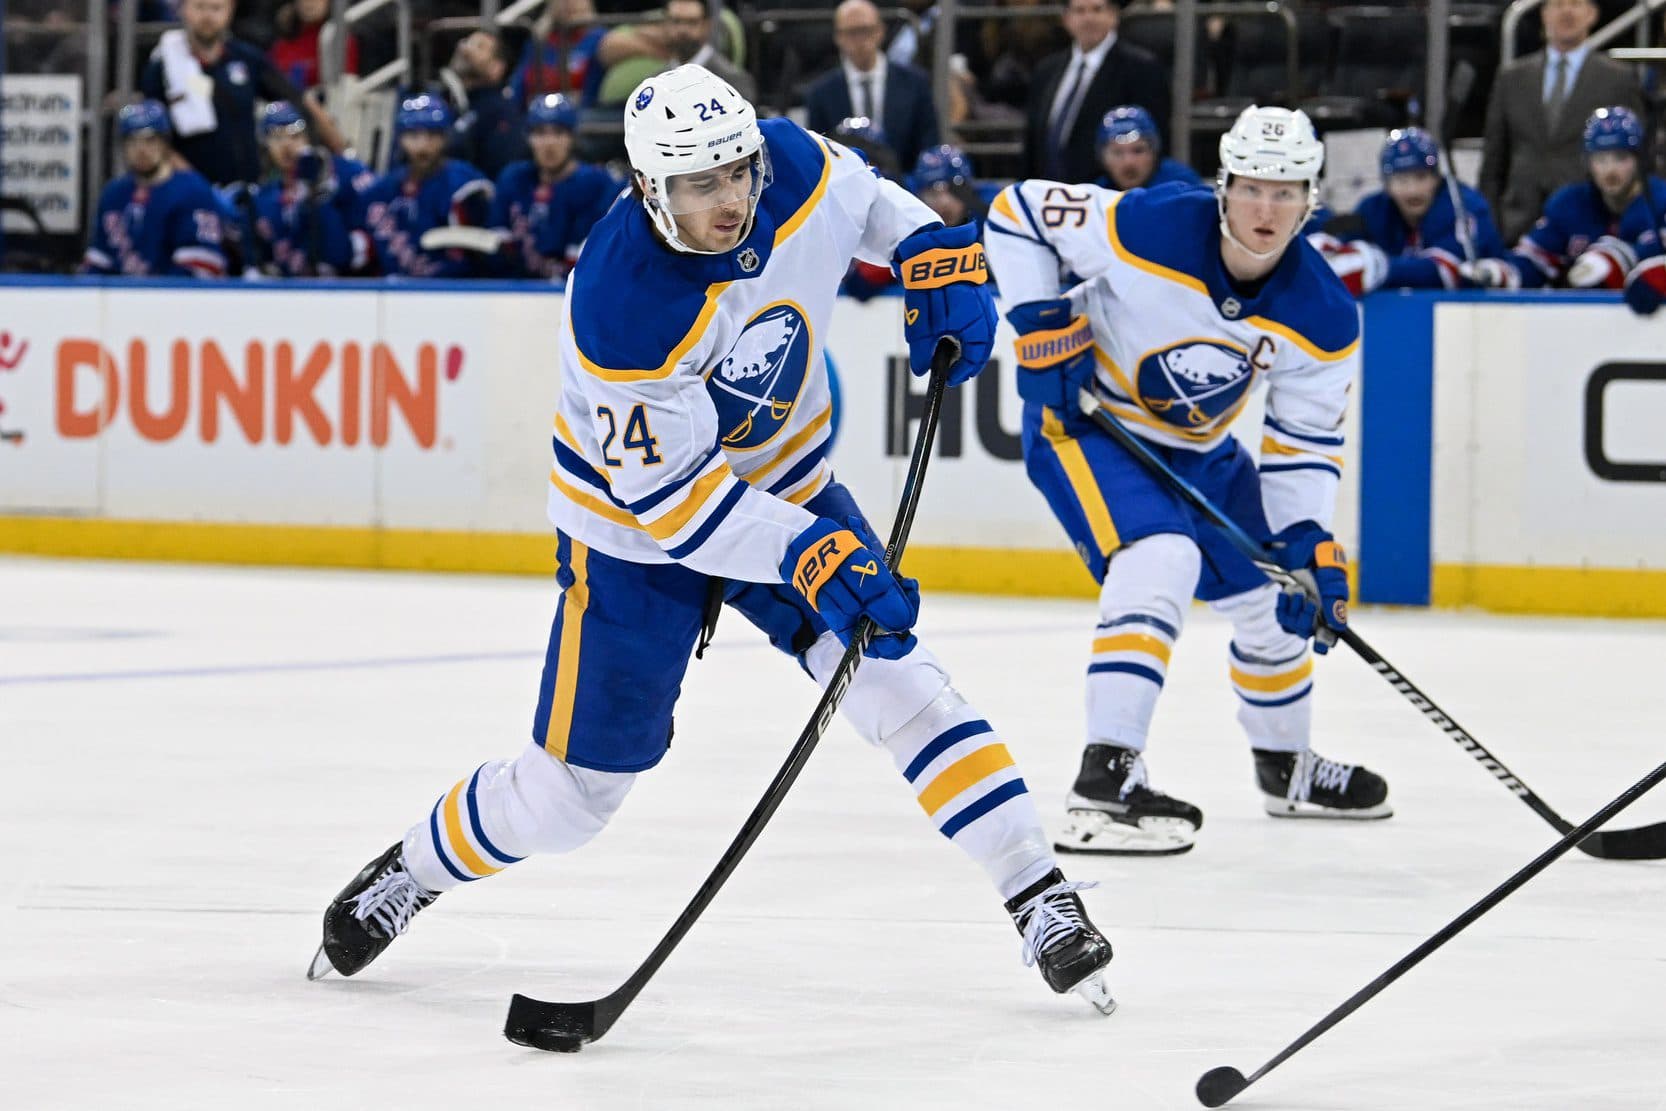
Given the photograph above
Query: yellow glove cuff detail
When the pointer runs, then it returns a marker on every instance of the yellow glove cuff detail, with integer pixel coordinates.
(943, 266)
(816, 566)
(1038, 350)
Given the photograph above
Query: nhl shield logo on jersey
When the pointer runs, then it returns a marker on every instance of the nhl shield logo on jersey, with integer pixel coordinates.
(756, 385)
(1194, 383)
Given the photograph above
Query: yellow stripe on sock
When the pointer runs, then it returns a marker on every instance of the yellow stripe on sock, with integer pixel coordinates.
(1133, 642)
(962, 774)
(1268, 684)
(460, 846)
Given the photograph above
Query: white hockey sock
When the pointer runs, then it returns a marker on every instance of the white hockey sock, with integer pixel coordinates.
(963, 776)
(1272, 673)
(1142, 606)
(507, 810)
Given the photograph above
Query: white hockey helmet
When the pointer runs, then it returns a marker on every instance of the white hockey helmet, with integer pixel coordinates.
(1273, 144)
(684, 121)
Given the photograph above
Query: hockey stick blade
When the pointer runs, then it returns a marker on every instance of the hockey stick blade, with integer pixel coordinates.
(1643, 843)
(1221, 1084)
(568, 1027)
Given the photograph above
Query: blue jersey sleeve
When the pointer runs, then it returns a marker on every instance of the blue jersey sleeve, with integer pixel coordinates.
(194, 245)
(101, 255)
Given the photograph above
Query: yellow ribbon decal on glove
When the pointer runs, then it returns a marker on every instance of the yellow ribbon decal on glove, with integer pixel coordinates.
(817, 565)
(943, 266)
(1037, 350)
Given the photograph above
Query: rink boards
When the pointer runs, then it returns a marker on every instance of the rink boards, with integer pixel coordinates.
(1505, 451)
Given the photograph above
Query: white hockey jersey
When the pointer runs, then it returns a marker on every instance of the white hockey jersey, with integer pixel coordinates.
(1178, 349)
(694, 412)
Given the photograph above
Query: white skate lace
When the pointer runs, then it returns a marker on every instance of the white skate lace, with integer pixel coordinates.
(1049, 918)
(1136, 777)
(391, 902)
(1312, 770)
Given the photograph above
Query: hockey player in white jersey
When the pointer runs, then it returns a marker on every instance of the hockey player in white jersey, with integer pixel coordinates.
(1186, 300)
(691, 467)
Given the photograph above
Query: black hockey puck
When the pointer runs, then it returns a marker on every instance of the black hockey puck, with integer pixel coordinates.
(557, 1044)
(1217, 1086)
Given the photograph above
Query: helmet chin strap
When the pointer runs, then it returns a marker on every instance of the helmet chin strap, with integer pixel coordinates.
(666, 224)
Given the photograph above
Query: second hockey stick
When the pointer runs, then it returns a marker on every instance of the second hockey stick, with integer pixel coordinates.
(1221, 1084)
(1642, 843)
(568, 1027)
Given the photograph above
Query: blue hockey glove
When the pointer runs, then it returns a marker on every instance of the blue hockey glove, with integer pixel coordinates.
(844, 580)
(1320, 609)
(946, 295)
(1645, 286)
(1055, 356)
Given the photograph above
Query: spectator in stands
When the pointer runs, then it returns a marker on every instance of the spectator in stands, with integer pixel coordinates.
(1406, 235)
(1131, 151)
(429, 194)
(942, 178)
(561, 56)
(1593, 232)
(491, 125)
(1537, 107)
(210, 82)
(295, 51)
(866, 85)
(634, 52)
(306, 215)
(1073, 89)
(545, 207)
(155, 219)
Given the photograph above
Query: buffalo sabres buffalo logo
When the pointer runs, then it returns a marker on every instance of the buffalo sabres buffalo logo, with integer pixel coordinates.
(1194, 383)
(645, 97)
(756, 385)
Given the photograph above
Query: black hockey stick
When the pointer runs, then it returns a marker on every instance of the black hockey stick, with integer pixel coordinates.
(1218, 1085)
(566, 1027)
(1642, 843)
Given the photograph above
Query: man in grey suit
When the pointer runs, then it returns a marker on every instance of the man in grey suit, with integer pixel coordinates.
(1538, 108)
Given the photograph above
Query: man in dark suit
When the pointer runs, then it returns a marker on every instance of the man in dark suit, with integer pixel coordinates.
(1073, 90)
(1537, 112)
(895, 97)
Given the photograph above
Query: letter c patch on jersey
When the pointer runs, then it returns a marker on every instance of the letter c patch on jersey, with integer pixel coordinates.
(943, 266)
(817, 564)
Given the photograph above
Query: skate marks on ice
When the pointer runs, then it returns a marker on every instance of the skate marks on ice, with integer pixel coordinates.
(178, 840)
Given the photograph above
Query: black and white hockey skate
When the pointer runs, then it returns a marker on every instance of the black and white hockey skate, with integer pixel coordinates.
(1114, 811)
(1059, 939)
(368, 914)
(1306, 785)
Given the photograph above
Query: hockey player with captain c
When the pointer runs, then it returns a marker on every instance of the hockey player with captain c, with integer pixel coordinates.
(1186, 299)
(690, 468)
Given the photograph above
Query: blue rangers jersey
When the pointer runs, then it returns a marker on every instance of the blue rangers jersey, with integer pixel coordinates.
(546, 224)
(171, 228)
(284, 214)
(1169, 170)
(396, 211)
(1576, 219)
(1178, 348)
(695, 413)
(1426, 256)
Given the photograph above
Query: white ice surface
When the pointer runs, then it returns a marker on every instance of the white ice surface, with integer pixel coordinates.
(194, 760)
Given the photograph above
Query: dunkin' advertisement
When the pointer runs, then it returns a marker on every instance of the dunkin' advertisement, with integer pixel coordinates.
(284, 407)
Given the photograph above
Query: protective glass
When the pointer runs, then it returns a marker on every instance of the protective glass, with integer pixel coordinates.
(737, 182)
